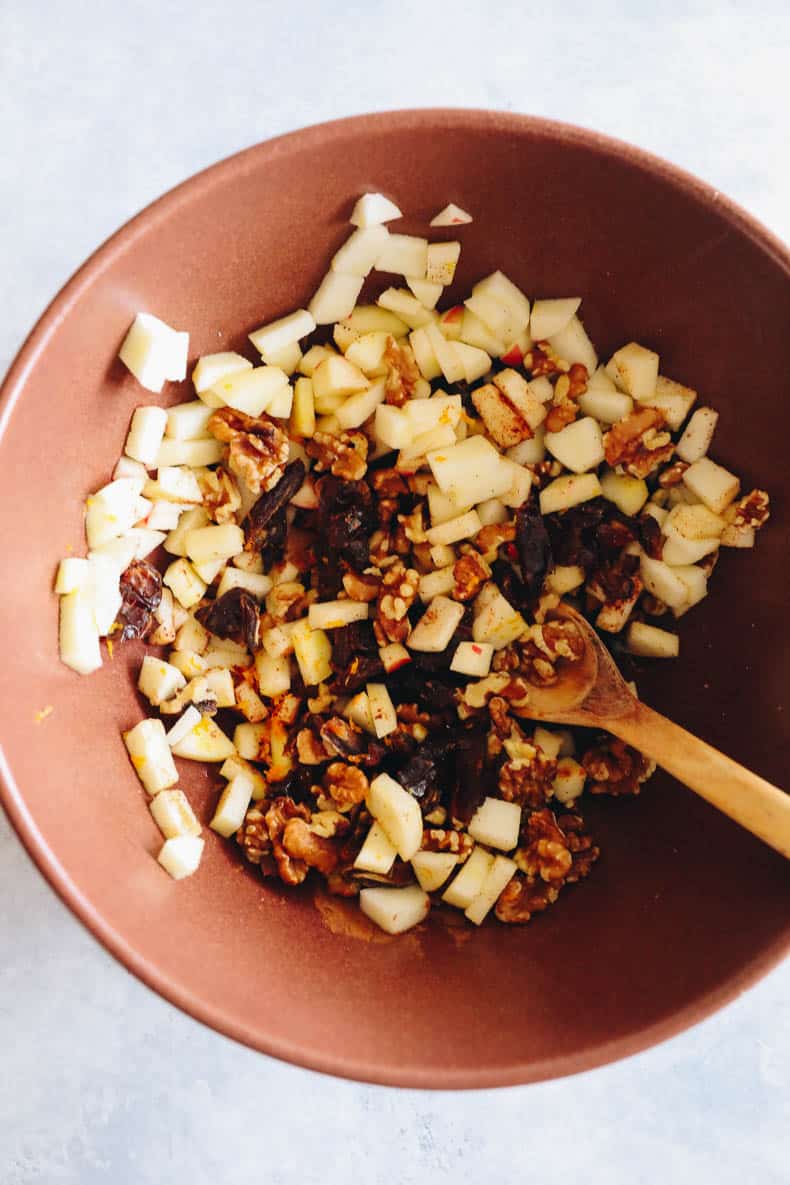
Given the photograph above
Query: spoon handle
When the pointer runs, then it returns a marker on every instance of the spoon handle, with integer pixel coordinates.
(758, 806)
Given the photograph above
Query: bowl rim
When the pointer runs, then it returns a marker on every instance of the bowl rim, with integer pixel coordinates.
(211, 1013)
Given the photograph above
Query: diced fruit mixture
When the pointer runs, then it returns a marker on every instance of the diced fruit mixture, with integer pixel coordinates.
(364, 534)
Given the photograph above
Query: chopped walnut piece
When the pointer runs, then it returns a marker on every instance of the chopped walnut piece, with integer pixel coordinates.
(303, 846)
(258, 448)
(310, 748)
(528, 780)
(403, 374)
(499, 711)
(443, 839)
(543, 851)
(673, 474)
(361, 586)
(221, 497)
(413, 526)
(753, 510)
(345, 455)
(543, 472)
(583, 851)
(567, 390)
(635, 444)
(536, 654)
(329, 823)
(345, 784)
(470, 573)
(396, 596)
(287, 601)
(253, 836)
(615, 768)
(490, 538)
(522, 897)
(542, 359)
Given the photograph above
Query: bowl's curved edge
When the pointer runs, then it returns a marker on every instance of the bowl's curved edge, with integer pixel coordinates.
(10, 796)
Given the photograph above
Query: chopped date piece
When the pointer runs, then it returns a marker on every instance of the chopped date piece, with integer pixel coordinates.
(533, 546)
(141, 592)
(234, 615)
(469, 785)
(297, 784)
(270, 503)
(573, 533)
(650, 536)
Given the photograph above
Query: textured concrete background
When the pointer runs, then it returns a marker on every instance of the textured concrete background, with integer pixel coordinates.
(103, 106)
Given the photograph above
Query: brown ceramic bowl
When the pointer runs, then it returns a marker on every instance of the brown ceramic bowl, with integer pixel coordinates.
(683, 911)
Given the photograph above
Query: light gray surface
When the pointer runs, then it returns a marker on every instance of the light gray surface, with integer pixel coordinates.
(103, 106)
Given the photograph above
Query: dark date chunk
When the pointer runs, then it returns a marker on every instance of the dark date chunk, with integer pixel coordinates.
(141, 593)
(533, 546)
(234, 615)
(469, 780)
(271, 505)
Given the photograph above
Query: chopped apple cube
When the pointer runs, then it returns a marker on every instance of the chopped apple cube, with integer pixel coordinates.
(232, 805)
(474, 361)
(470, 471)
(696, 581)
(73, 572)
(579, 446)
(184, 583)
(660, 580)
(287, 359)
(395, 910)
(406, 307)
(277, 335)
(569, 781)
(79, 635)
(433, 868)
(520, 484)
(573, 344)
(158, 680)
(549, 317)
(181, 856)
(469, 881)
(446, 354)
(281, 403)
(213, 367)
(303, 408)
(361, 251)
(313, 651)
(273, 674)
(248, 739)
(145, 434)
(496, 621)
(398, 812)
(250, 703)
(339, 377)
(112, 510)
(206, 742)
(194, 453)
(567, 491)
(629, 494)
(737, 536)
(184, 725)
(191, 635)
(442, 260)
(565, 578)
(164, 516)
(697, 437)
(220, 684)
(652, 642)
(455, 529)
(406, 255)
(173, 815)
(549, 742)
(496, 824)
(251, 391)
(377, 854)
(497, 879)
(434, 631)
(473, 659)
(358, 710)
(174, 483)
(356, 409)
(474, 332)
(443, 555)
(673, 399)
(253, 582)
(214, 543)
(237, 764)
(150, 755)
(372, 209)
(437, 583)
(424, 354)
(382, 710)
(493, 510)
(712, 484)
(635, 370)
(393, 656)
(606, 406)
(532, 451)
(451, 215)
(391, 427)
(371, 318)
(331, 615)
(335, 297)
(154, 352)
(427, 293)
(189, 663)
(367, 352)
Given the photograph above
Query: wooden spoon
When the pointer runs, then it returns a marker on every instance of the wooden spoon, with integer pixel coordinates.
(593, 693)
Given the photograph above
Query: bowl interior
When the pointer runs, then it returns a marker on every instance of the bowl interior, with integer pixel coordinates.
(683, 909)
